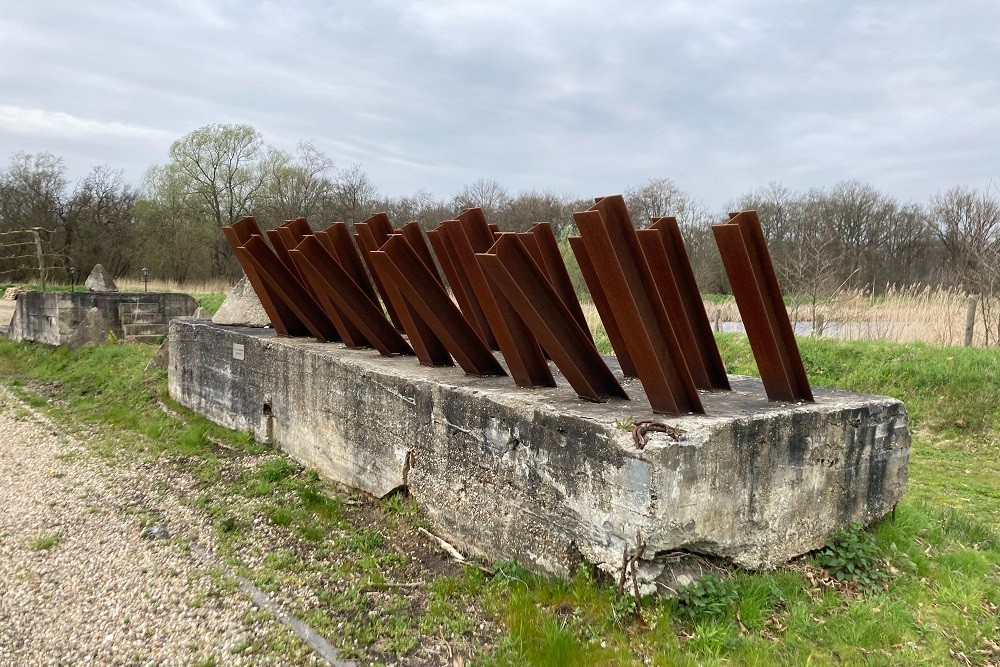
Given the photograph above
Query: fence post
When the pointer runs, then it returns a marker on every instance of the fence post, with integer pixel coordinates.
(970, 319)
(41, 257)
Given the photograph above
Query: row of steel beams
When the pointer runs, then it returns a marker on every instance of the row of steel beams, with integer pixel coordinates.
(513, 293)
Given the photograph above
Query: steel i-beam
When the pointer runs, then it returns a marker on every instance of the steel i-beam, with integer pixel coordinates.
(429, 299)
(333, 280)
(284, 321)
(755, 286)
(514, 273)
(691, 301)
(613, 247)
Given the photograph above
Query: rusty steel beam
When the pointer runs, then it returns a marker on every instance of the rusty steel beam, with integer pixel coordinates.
(281, 238)
(333, 281)
(267, 265)
(348, 334)
(613, 247)
(444, 253)
(656, 258)
(525, 361)
(555, 269)
(462, 288)
(299, 226)
(694, 306)
(426, 345)
(758, 296)
(336, 239)
(530, 244)
(282, 318)
(415, 237)
(369, 243)
(290, 236)
(513, 272)
(429, 299)
(604, 311)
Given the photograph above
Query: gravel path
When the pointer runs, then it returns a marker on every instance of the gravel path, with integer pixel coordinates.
(82, 581)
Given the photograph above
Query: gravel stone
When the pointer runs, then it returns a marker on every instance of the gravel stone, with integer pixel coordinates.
(79, 584)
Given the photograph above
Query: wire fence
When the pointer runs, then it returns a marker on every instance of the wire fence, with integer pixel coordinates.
(26, 255)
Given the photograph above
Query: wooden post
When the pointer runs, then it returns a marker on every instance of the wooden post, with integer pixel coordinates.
(718, 320)
(41, 257)
(970, 319)
(818, 324)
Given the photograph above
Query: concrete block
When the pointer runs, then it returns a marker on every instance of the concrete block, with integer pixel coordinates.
(93, 330)
(100, 280)
(544, 477)
(52, 317)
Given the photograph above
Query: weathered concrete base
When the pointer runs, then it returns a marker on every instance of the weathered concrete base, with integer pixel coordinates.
(53, 317)
(542, 476)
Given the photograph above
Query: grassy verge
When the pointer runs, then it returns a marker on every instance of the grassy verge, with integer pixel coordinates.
(923, 588)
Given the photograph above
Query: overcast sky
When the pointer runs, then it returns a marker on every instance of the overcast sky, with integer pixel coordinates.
(576, 97)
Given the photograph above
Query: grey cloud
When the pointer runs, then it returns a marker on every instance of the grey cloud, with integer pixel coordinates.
(719, 96)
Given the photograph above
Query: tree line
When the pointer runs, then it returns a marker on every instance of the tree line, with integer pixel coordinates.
(850, 235)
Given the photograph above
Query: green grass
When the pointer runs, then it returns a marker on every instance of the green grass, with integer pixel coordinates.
(932, 571)
(45, 542)
(211, 301)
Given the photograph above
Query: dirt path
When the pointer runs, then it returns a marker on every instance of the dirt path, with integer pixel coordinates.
(96, 564)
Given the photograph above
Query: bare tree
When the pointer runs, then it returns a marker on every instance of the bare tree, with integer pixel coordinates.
(487, 194)
(660, 197)
(32, 190)
(304, 187)
(354, 196)
(98, 222)
(967, 222)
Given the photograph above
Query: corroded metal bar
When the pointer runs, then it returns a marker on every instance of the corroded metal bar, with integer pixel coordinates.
(444, 254)
(348, 334)
(758, 296)
(368, 243)
(656, 258)
(332, 280)
(282, 318)
(513, 272)
(603, 306)
(267, 265)
(468, 302)
(468, 235)
(299, 226)
(282, 239)
(613, 247)
(289, 237)
(429, 299)
(426, 345)
(415, 237)
(694, 307)
(336, 238)
(555, 269)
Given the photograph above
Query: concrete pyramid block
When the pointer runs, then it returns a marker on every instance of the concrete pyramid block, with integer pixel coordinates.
(160, 359)
(93, 330)
(242, 308)
(100, 281)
